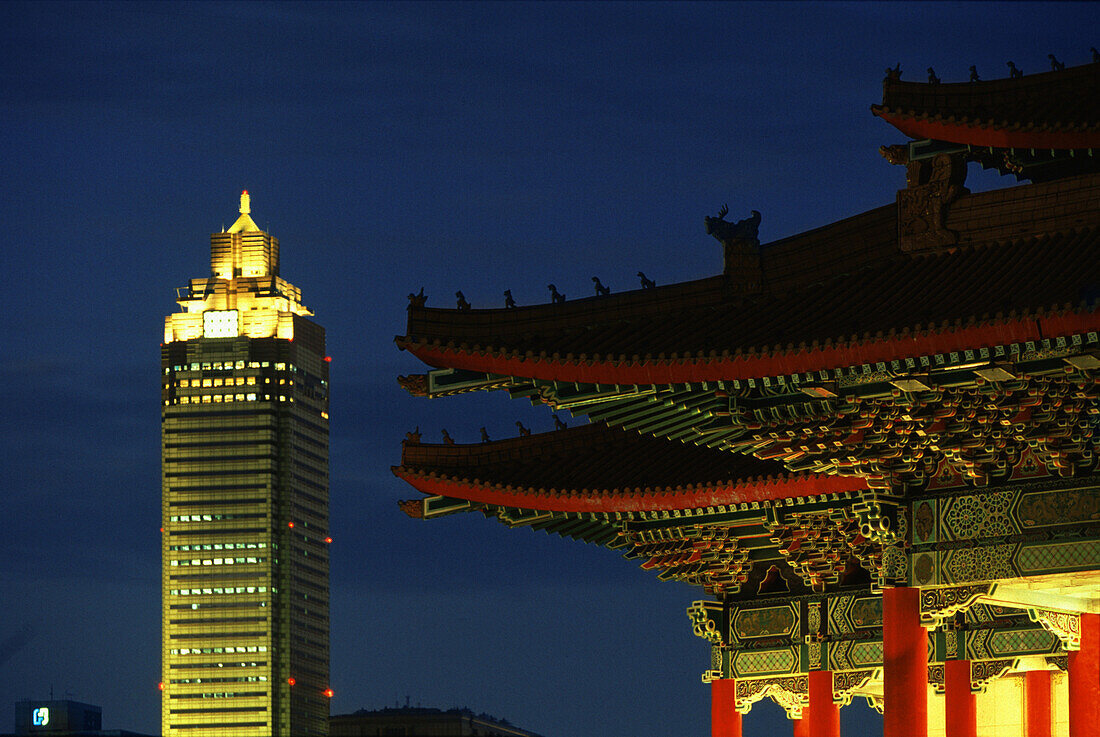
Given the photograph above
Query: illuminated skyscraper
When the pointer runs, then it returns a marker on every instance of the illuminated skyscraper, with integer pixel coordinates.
(245, 500)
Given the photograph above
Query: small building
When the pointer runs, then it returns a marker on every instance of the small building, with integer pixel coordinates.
(63, 718)
(416, 721)
(55, 717)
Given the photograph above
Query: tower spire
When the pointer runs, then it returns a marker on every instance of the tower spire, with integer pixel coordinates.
(244, 222)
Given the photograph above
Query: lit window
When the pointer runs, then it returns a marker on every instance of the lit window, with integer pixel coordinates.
(217, 382)
(217, 397)
(219, 324)
(251, 379)
(185, 383)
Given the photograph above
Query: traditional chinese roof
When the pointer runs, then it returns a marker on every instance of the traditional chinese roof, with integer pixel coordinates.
(1051, 110)
(1024, 269)
(596, 468)
(771, 423)
(1039, 127)
(688, 513)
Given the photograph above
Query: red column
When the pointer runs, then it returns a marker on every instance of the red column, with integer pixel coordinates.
(725, 721)
(1084, 681)
(802, 726)
(960, 707)
(1037, 690)
(826, 719)
(905, 664)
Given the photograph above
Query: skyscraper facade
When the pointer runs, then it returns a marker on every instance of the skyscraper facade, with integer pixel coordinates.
(244, 506)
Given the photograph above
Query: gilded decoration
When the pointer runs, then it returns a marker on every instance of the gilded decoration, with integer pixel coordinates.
(849, 614)
(845, 683)
(939, 604)
(814, 654)
(1068, 506)
(924, 522)
(1003, 643)
(1028, 467)
(838, 608)
(1055, 557)
(951, 643)
(984, 563)
(818, 546)
(813, 617)
(707, 556)
(1065, 626)
(937, 677)
(703, 616)
(979, 515)
(924, 569)
(895, 565)
(984, 671)
(866, 612)
(719, 665)
(764, 662)
(855, 654)
(1061, 662)
(792, 693)
(769, 622)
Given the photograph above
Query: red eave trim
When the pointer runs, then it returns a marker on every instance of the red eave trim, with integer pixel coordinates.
(602, 501)
(977, 135)
(745, 366)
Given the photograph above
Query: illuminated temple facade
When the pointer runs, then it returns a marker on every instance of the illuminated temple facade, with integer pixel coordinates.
(244, 429)
(872, 446)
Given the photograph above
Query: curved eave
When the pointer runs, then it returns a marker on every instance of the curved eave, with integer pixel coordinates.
(634, 500)
(623, 370)
(978, 134)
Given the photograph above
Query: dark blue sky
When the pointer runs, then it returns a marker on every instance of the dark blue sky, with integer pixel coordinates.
(450, 146)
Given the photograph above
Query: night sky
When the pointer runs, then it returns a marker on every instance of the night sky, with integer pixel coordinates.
(391, 147)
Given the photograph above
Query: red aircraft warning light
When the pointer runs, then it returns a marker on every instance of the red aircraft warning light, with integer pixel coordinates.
(291, 681)
(329, 692)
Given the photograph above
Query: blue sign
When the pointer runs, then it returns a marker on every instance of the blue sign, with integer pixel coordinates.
(40, 717)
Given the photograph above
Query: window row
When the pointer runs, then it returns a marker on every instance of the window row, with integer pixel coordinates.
(217, 711)
(222, 590)
(216, 561)
(219, 650)
(238, 679)
(219, 546)
(196, 666)
(218, 695)
(211, 517)
(227, 381)
(227, 366)
(219, 398)
(218, 725)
